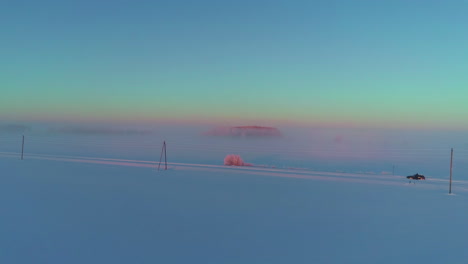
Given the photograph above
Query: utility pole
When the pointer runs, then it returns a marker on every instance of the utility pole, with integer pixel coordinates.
(163, 149)
(22, 149)
(451, 163)
(165, 154)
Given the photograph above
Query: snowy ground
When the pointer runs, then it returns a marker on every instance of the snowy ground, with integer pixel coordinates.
(78, 209)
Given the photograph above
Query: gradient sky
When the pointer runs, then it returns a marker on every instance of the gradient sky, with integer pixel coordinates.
(361, 63)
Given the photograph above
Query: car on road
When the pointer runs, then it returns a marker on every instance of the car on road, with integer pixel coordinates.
(416, 176)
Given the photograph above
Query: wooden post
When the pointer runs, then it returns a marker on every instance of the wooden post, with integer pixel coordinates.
(451, 163)
(22, 149)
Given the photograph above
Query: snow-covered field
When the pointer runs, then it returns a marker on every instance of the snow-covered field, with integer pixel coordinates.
(94, 203)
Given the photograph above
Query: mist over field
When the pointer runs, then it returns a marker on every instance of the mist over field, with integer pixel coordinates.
(372, 151)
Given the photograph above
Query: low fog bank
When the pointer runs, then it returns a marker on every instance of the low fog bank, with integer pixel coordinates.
(75, 130)
(373, 151)
(14, 128)
(244, 132)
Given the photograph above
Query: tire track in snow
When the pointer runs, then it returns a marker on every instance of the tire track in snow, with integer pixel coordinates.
(248, 170)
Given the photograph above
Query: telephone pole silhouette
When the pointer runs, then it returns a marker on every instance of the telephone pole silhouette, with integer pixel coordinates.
(22, 149)
(451, 162)
(165, 156)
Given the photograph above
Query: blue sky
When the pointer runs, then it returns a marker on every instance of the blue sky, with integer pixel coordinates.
(397, 63)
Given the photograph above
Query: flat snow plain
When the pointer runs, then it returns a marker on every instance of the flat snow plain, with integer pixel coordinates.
(77, 209)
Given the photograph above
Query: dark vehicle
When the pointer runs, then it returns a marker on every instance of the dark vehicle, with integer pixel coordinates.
(416, 177)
